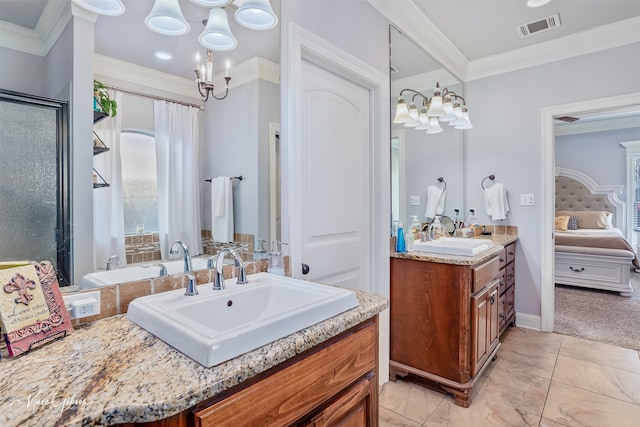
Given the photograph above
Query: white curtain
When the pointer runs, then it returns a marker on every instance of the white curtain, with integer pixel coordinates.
(108, 217)
(179, 179)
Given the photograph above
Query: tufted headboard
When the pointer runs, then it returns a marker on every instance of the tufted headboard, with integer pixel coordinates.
(576, 191)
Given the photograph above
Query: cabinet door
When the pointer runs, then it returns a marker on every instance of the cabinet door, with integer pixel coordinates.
(485, 325)
(353, 408)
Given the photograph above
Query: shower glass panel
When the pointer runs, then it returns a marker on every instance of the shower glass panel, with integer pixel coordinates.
(32, 179)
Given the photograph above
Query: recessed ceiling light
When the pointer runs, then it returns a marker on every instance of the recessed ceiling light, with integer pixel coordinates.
(163, 55)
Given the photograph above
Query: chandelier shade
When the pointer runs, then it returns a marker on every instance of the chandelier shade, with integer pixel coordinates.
(166, 18)
(402, 112)
(536, 3)
(256, 15)
(217, 35)
(102, 7)
(211, 3)
(444, 106)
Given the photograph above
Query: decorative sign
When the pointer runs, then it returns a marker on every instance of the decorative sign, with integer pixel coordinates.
(32, 310)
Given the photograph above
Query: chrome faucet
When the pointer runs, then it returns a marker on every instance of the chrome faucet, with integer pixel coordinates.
(218, 283)
(113, 258)
(163, 268)
(185, 250)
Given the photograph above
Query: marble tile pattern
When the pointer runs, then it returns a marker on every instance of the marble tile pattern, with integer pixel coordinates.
(538, 379)
(113, 371)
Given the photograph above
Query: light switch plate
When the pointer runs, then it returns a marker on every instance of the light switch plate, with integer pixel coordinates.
(414, 200)
(526, 200)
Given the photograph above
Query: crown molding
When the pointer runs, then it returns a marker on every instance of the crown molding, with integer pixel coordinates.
(20, 38)
(411, 21)
(424, 81)
(601, 38)
(417, 26)
(135, 74)
(251, 69)
(597, 126)
(54, 19)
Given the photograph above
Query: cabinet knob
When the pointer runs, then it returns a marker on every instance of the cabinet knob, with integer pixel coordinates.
(305, 268)
(492, 299)
(576, 270)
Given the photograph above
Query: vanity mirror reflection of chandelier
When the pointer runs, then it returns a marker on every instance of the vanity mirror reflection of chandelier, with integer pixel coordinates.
(445, 106)
(166, 18)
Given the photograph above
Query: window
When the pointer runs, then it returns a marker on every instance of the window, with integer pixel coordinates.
(139, 182)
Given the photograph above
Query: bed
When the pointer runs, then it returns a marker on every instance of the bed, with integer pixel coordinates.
(591, 250)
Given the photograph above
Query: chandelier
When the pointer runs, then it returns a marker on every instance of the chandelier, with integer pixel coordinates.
(166, 18)
(445, 106)
(204, 75)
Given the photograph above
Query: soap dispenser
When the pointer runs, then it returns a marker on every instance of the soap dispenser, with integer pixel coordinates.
(275, 264)
(400, 243)
(259, 252)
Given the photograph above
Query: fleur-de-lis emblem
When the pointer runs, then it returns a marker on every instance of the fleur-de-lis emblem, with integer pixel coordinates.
(21, 284)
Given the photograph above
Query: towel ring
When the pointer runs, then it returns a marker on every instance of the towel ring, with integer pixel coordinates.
(441, 179)
(490, 177)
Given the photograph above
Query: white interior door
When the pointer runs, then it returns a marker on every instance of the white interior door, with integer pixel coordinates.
(334, 151)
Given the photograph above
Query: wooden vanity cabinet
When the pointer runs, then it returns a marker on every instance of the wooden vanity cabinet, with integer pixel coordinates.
(332, 384)
(507, 312)
(444, 323)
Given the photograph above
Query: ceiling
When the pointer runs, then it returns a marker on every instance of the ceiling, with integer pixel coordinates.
(482, 28)
(475, 30)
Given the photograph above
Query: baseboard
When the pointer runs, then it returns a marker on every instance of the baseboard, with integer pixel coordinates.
(528, 321)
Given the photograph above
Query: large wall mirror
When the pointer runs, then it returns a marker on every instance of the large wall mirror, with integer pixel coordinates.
(419, 159)
(230, 122)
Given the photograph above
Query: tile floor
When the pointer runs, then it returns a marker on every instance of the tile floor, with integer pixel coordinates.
(538, 379)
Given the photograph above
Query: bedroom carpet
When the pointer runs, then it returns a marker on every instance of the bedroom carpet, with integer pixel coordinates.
(599, 315)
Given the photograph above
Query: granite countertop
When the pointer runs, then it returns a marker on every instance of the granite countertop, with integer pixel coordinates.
(113, 371)
(499, 240)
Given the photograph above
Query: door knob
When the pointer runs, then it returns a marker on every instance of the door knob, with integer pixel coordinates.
(305, 268)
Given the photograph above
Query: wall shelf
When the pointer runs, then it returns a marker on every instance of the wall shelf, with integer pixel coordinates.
(99, 147)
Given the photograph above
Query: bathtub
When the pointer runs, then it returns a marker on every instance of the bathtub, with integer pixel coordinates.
(135, 272)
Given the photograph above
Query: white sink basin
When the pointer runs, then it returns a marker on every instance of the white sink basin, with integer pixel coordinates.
(216, 326)
(454, 246)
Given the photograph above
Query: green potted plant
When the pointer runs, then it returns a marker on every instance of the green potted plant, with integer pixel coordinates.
(101, 94)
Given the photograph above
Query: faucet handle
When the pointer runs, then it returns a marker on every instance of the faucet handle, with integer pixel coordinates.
(192, 289)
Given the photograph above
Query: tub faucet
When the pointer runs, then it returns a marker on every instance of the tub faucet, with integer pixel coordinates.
(218, 283)
(113, 258)
(185, 250)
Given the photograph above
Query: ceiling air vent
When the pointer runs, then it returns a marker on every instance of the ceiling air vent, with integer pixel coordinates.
(525, 30)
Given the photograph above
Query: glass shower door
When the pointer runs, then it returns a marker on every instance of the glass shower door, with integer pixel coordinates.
(33, 181)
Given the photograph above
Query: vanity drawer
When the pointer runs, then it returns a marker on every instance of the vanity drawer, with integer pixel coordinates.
(510, 276)
(502, 257)
(503, 281)
(485, 273)
(510, 249)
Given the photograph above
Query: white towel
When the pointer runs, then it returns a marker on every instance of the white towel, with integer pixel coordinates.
(222, 209)
(495, 201)
(435, 201)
